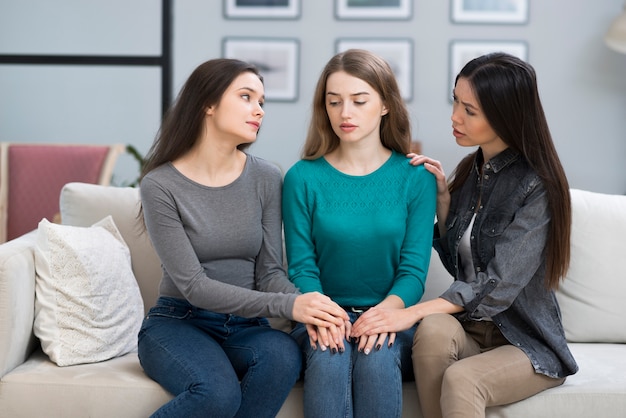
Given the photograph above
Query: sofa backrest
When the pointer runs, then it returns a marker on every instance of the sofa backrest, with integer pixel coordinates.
(592, 295)
(83, 204)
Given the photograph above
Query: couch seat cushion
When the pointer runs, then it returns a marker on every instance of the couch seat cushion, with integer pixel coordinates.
(114, 388)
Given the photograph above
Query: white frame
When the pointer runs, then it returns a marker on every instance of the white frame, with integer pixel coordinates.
(398, 52)
(494, 11)
(234, 11)
(276, 58)
(461, 52)
(344, 11)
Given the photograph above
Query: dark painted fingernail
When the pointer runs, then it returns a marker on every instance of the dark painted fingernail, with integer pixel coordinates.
(334, 350)
(378, 347)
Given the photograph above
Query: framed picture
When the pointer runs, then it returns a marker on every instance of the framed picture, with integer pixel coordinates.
(262, 9)
(398, 52)
(277, 60)
(373, 9)
(461, 52)
(489, 11)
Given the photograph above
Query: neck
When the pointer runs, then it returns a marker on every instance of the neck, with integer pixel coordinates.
(492, 151)
(358, 161)
(211, 163)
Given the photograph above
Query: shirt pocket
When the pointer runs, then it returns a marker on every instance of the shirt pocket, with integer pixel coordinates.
(494, 226)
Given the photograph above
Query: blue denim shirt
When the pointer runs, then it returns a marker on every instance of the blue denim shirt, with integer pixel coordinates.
(511, 222)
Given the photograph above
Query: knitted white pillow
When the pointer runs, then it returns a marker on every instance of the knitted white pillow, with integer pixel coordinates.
(88, 307)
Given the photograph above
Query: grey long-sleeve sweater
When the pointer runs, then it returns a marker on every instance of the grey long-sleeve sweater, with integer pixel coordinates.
(220, 247)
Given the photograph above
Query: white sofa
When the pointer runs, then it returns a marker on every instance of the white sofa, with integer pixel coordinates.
(593, 303)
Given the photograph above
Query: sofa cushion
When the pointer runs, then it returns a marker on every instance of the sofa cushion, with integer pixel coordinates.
(87, 303)
(82, 204)
(115, 388)
(592, 295)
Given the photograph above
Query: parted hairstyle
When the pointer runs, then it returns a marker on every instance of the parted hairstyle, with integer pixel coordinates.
(183, 122)
(506, 89)
(395, 126)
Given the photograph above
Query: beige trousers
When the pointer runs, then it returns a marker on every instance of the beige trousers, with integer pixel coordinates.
(462, 369)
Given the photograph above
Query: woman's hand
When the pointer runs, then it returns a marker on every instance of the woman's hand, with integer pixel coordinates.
(329, 338)
(319, 310)
(378, 321)
(367, 343)
(443, 193)
(434, 167)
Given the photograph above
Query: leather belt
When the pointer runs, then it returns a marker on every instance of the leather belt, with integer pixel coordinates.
(356, 309)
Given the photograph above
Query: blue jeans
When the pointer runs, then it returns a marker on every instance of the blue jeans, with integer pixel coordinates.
(352, 384)
(216, 365)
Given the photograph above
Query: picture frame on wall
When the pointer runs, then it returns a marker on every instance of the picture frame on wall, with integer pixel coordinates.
(398, 52)
(373, 9)
(276, 58)
(262, 9)
(461, 52)
(489, 11)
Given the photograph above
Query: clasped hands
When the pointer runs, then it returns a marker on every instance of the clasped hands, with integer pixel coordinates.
(333, 337)
(329, 326)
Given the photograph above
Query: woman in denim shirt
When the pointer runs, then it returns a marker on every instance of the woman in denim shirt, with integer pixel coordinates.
(495, 336)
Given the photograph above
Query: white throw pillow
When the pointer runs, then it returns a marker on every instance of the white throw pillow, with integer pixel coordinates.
(87, 302)
(82, 204)
(592, 295)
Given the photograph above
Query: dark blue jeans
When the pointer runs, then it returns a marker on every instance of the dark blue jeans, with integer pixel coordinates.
(216, 365)
(353, 384)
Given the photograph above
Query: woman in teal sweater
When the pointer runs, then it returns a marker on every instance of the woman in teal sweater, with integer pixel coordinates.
(358, 228)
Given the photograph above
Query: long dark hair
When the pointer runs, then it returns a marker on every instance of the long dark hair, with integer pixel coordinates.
(506, 89)
(183, 122)
(395, 126)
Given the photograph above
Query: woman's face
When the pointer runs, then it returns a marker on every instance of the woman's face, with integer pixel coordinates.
(239, 113)
(469, 124)
(354, 108)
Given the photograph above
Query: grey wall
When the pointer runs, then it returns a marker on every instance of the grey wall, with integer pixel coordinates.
(582, 82)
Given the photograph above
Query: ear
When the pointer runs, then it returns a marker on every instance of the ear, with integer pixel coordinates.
(384, 111)
(209, 110)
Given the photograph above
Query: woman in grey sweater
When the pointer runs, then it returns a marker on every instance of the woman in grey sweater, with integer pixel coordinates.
(213, 213)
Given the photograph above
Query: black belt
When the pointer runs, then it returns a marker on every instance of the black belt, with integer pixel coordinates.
(356, 309)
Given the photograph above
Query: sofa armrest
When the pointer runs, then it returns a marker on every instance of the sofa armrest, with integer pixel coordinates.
(17, 301)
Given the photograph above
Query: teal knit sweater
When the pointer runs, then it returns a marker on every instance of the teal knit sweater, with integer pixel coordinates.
(358, 239)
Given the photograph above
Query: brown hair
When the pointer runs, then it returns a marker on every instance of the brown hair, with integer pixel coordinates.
(395, 126)
(183, 122)
(506, 89)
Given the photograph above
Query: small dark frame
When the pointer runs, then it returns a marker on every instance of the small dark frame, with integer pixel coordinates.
(373, 9)
(262, 9)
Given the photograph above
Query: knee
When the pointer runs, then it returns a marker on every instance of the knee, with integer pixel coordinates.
(433, 333)
(220, 400)
(280, 344)
(281, 353)
(383, 364)
(324, 363)
(459, 382)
